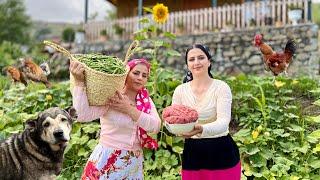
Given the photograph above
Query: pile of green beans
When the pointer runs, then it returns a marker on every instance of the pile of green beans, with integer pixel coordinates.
(102, 63)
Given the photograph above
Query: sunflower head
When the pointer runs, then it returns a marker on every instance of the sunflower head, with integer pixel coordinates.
(160, 13)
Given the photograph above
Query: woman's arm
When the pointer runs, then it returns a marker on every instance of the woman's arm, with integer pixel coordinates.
(224, 101)
(79, 97)
(176, 97)
(150, 122)
(85, 112)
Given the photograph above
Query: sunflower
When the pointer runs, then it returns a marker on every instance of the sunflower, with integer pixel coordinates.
(160, 13)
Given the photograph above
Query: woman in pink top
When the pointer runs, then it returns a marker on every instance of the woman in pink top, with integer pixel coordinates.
(124, 120)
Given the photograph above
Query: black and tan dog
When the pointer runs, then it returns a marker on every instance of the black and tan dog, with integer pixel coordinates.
(37, 153)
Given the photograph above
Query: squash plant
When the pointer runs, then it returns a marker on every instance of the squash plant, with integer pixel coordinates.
(278, 136)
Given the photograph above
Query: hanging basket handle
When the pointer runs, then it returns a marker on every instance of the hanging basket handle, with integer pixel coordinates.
(59, 48)
(133, 46)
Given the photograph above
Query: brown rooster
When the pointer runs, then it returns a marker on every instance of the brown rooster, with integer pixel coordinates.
(277, 62)
(34, 72)
(16, 75)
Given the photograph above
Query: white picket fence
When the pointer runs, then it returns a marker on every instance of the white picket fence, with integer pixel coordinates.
(259, 13)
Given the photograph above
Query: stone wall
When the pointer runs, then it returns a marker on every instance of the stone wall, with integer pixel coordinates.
(234, 51)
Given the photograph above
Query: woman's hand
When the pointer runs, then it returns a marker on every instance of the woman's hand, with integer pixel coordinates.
(121, 103)
(196, 130)
(77, 70)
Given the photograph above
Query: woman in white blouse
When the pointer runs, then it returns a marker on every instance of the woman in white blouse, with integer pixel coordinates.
(209, 151)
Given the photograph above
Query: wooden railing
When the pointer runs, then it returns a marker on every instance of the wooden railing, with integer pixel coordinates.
(224, 18)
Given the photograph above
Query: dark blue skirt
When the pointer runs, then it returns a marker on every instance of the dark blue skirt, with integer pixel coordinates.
(210, 153)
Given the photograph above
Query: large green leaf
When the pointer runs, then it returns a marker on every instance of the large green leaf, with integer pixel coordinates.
(170, 35)
(315, 164)
(243, 133)
(173, 53)
(315, 134)
(295, 128)
(252, 149)
(169, 140)
(177, 149)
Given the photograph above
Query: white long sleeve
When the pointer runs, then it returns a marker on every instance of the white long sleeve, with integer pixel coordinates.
(85, 112)
(223, 106)
(150, 122)
(214, 109)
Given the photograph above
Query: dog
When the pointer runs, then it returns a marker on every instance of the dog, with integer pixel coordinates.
(37, 152)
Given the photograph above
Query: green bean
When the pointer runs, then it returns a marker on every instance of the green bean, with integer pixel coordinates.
(102, 63)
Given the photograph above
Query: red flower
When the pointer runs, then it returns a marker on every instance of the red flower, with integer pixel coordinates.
(110, 163)
(90, 172)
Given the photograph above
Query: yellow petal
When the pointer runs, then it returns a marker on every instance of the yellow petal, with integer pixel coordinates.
(160, 13)
(48, 97)
(255, 134)
(279, 84)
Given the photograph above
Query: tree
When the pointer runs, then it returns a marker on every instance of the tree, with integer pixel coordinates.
(68, 35)
(41, 34)
(14, 23)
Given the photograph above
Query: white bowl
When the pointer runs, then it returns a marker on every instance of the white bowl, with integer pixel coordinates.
(180, 128)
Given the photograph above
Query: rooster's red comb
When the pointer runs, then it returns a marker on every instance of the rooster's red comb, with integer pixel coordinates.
(258, 37)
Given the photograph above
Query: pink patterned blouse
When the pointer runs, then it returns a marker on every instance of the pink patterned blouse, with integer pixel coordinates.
(118, 131)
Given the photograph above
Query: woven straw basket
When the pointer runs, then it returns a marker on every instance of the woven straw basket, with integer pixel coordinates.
(99, 86)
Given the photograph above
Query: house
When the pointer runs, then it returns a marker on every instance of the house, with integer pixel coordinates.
(130, 8)
(190, 16)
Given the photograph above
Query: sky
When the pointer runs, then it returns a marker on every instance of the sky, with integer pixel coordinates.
(70, 11)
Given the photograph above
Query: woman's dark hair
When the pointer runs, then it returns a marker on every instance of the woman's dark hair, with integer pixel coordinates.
(206, 50)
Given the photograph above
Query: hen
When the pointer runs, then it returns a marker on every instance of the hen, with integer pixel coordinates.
(34, 72)
(16, 75)
(277, 62)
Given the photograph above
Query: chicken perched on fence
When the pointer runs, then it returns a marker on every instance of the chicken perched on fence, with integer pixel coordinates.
(29, 70)
(277, 62)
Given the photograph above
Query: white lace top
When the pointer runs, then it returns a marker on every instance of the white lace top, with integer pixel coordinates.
(214, 108)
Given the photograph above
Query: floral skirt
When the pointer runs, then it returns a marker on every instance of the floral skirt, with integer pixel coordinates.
(108, 163)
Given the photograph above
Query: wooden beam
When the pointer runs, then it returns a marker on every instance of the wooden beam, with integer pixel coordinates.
(114, 2)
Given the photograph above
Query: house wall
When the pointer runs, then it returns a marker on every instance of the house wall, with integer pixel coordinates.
(234, 51)
(130, 8)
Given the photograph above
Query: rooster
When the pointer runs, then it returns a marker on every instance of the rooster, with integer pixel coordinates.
(34, 72)
(16, 75)
(277, 62)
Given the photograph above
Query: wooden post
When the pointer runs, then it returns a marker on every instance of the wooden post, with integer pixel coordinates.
(139, 11)
(85, 11)
(214, 3)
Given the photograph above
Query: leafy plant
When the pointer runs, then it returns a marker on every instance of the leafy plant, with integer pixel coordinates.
(68, 35)
(276, 125)
(9, 52)
(103, 32)
(118, 29)
(277, 138)
(294, 7)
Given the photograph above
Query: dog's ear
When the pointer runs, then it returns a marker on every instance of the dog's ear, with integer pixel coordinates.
(72, 112)
(31, 124)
